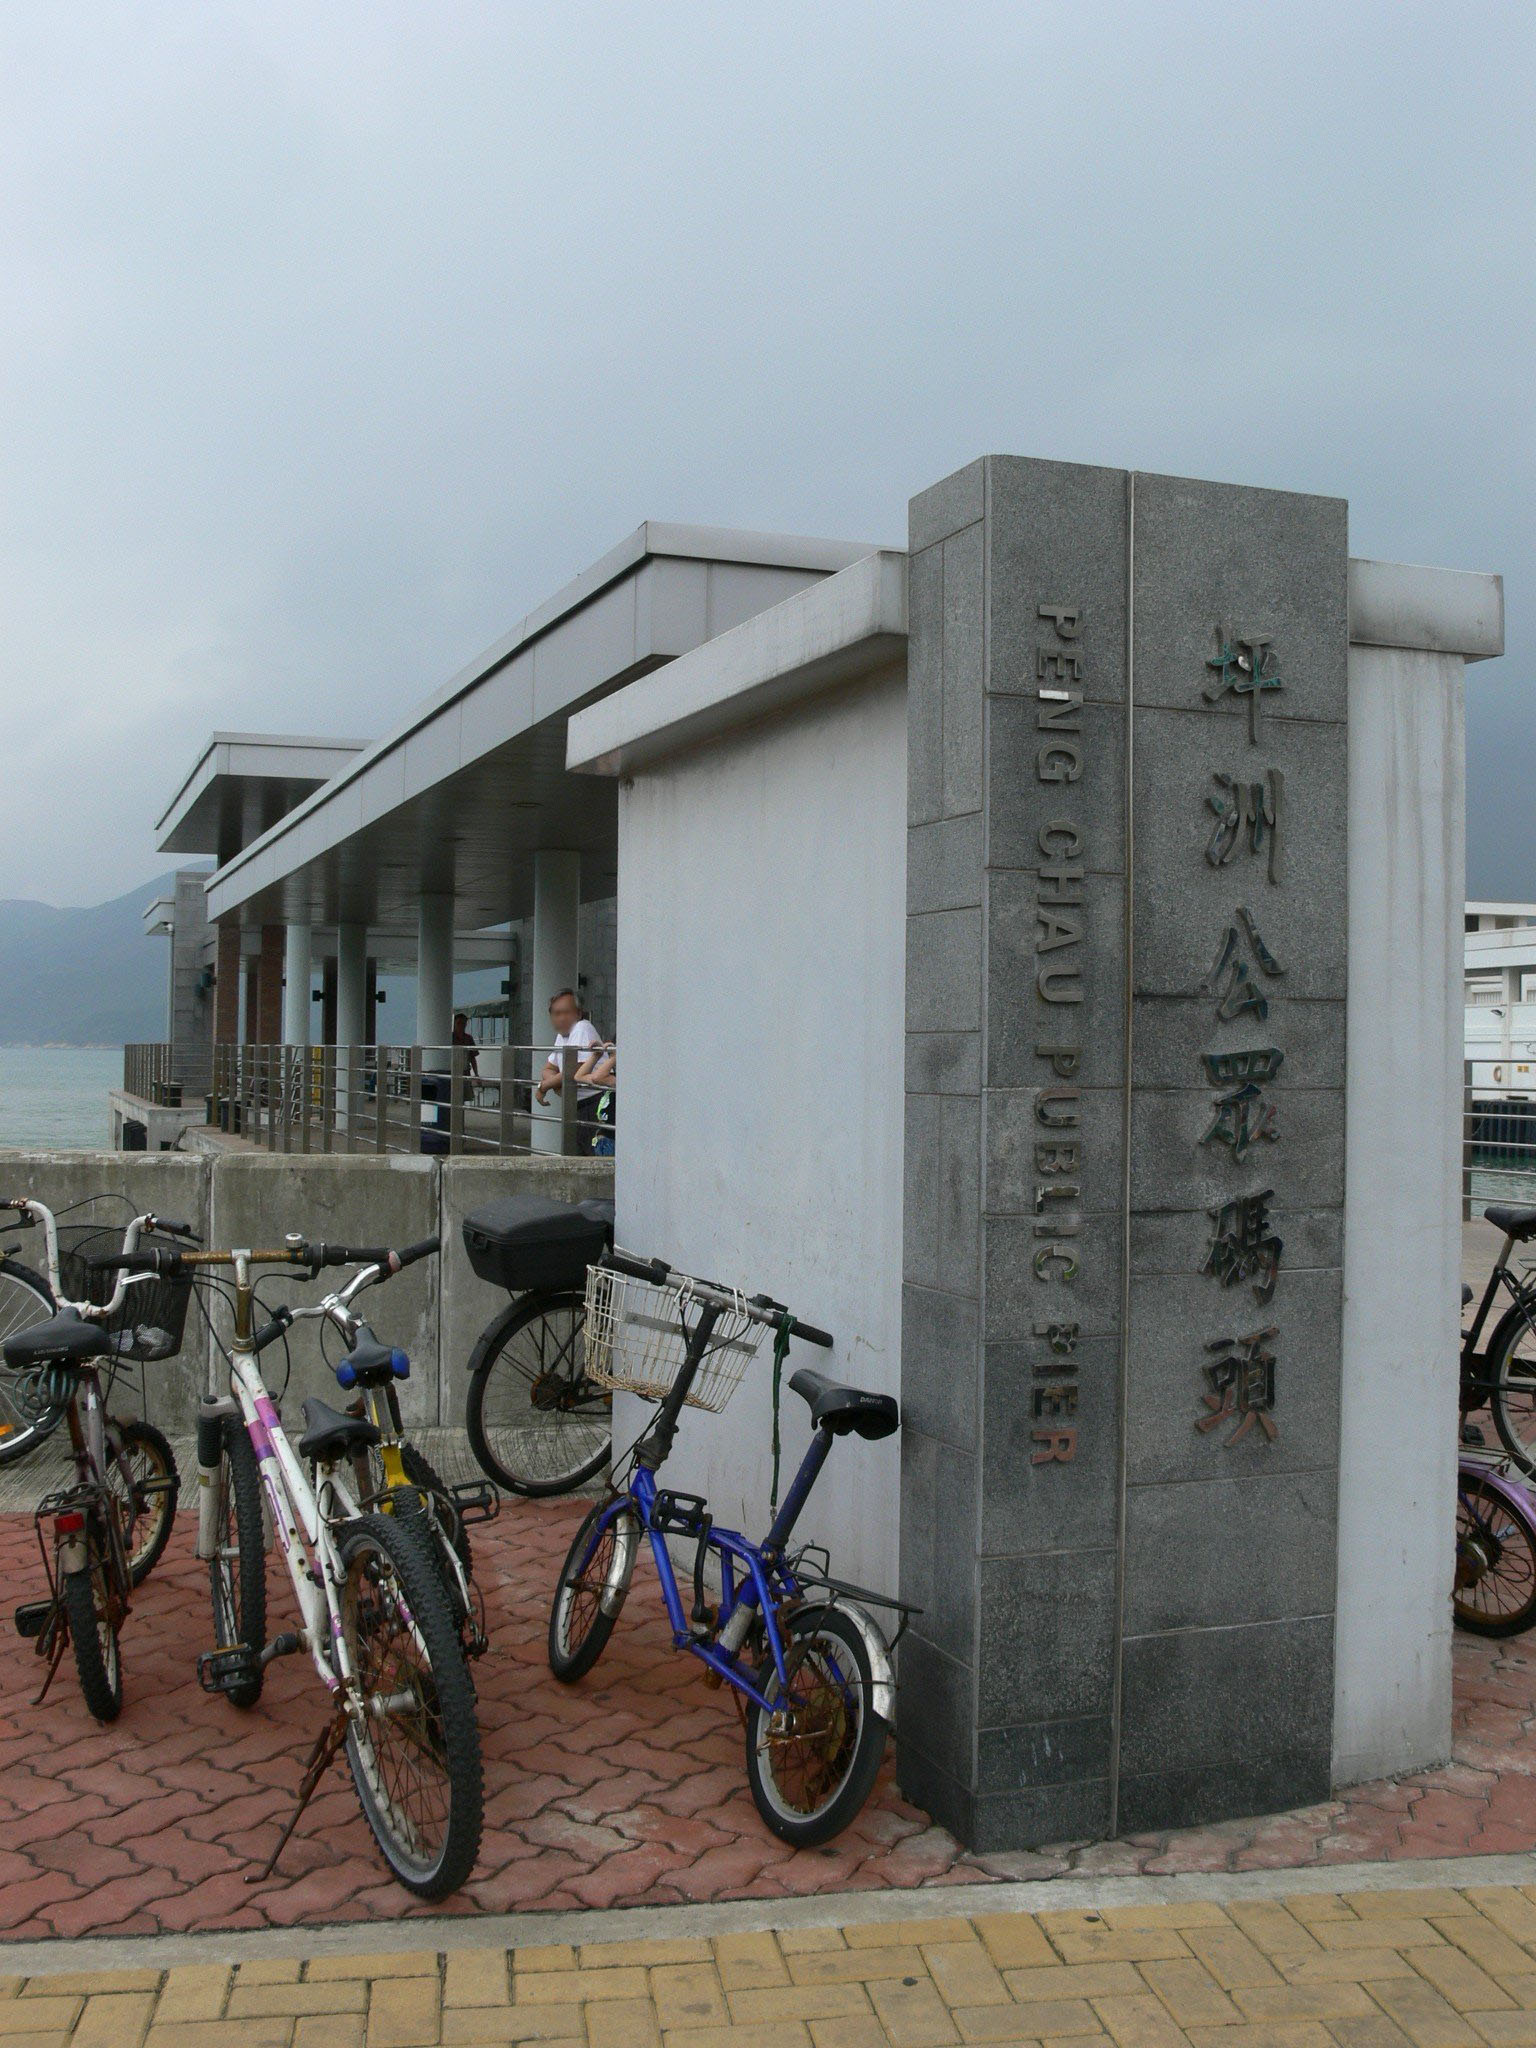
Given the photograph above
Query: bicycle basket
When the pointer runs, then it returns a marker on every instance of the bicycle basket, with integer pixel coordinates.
(154, 1311)
(637, 1338)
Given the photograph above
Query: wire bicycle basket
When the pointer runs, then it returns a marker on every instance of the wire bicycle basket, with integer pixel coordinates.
(637, 1337)
(153, 1317)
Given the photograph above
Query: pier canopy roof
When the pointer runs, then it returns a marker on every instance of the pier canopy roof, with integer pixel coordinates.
(241, 784)
(460, 796)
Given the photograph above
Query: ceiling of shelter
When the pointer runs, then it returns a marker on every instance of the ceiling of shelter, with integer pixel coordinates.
(234, 810)
(474, 834)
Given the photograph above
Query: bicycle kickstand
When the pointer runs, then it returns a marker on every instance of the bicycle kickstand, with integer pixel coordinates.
(327, 1745)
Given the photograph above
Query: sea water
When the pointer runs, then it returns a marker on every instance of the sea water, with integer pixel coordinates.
(53, 1098)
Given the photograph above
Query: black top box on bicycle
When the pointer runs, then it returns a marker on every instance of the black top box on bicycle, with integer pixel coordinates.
(525, 1242)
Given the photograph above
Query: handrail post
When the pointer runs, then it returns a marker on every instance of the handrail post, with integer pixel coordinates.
(569, 1139)
(284, 1100)
(380, 1099)
(1466, 1141)
(506, 1096)
(456, 1058)
(413, 1101)
(327, 1097)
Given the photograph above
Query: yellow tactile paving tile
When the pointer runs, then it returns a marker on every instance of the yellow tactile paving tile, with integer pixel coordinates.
(1427, 1967)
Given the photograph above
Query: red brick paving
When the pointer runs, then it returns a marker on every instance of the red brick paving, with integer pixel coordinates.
(626, 1789)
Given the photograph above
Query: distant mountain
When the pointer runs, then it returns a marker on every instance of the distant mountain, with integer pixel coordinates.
(82, 977)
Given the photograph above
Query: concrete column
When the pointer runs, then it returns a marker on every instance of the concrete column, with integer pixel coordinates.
(351, 984)
(269, 985)
(434, 977)
(556, 922)
(226, 986)
(296, 1003)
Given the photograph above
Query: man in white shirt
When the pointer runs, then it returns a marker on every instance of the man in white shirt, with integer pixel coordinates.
(572, 1027)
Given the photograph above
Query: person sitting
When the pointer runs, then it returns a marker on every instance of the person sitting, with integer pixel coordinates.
(601, 1070)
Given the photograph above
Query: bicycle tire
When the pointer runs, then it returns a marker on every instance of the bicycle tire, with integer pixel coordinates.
(586, 1605)
(444, 1728)
(237, 1576)
(148, 1516)
(505, 1449)
(25, 1299)
(1513, 1391)
(849, 1689)
(86, 1596)
(421, 1472)
(1495, 1559)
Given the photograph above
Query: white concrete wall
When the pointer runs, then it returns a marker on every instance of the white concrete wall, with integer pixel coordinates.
(1402, 1246)
(762, 901)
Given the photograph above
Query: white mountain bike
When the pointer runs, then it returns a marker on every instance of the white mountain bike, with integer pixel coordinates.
(375, 1617)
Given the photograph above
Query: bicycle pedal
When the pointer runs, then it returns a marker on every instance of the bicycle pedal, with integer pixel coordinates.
(32, 1618)
(1473, 1436)
(223, 1670)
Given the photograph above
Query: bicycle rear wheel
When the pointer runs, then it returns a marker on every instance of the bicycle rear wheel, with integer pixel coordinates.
(416, 1755)
(537, 1425)
(93, 1612)
(1495, 1589)
(31, 1404)
(813, 1762)
(1511, 1367)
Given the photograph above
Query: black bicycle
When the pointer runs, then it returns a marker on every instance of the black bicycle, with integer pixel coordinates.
(538, 1422)
(100, 1535)
(1501, 1374)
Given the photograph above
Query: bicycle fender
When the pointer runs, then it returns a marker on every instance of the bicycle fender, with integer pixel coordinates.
(882, 1691)
(626, 1539)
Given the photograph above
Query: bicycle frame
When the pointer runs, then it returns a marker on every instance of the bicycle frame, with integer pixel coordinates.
(1522, 1292)
(752, 1576)
(298, 1522)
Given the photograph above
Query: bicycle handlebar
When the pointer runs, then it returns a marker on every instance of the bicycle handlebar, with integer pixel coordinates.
(760, 1307)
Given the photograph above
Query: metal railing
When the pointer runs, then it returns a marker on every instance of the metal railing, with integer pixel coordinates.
(1498, 1148)
(147, 1074)
(403, 1098)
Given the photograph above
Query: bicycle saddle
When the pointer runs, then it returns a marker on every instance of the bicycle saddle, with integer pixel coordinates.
(63, 1340)
(369, 1363)
(329, 1435)
(1518, 1223)
(846, 1410)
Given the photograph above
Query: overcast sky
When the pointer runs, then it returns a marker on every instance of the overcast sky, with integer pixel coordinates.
(332, 337)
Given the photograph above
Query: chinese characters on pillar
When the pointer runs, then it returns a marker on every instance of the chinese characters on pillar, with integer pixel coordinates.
(1061, 758)
(1243, 1249)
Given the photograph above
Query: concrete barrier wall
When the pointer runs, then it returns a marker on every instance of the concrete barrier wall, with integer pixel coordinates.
(434, 1311)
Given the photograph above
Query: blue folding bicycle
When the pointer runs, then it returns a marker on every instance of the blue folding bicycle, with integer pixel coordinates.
(810, 1669)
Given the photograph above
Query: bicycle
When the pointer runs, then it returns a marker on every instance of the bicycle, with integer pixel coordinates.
(111, 1525)
(1494, 1589)
(390, 1474)
(539, 1422)
(374, 1617)
(810, 1669)
(148, 1324)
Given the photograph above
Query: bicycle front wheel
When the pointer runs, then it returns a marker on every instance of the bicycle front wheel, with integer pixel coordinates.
(1495, 1589)
(537, 1425)
(141, 1472)
(32, 1404)
(415, 1754)
(237, 1573)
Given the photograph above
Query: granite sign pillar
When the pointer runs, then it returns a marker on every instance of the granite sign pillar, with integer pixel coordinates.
(1124, 1149)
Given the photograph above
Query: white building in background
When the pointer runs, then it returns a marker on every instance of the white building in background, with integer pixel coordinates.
(1501, 999)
